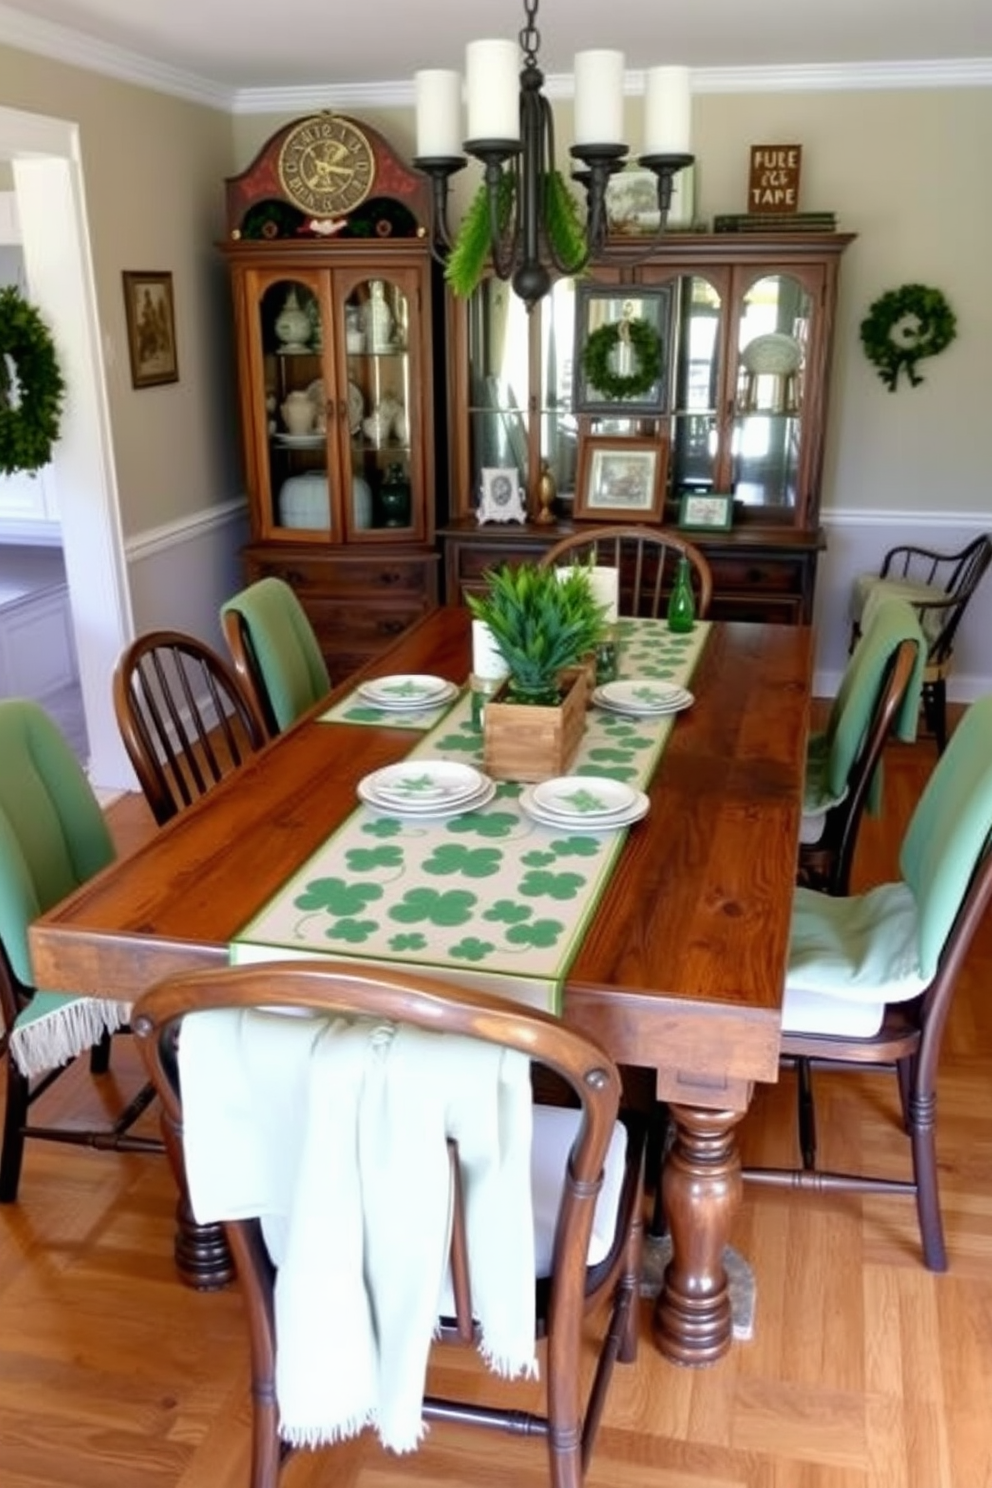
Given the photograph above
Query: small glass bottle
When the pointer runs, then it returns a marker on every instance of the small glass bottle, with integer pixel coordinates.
(681, 604)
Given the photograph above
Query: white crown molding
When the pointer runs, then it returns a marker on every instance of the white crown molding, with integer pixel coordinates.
(62, 44)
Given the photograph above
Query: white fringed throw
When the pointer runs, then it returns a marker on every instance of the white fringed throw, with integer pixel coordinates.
(336, 1134)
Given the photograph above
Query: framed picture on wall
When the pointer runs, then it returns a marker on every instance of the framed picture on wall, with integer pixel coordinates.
(623, 349)
(151, 327)
(621, 479)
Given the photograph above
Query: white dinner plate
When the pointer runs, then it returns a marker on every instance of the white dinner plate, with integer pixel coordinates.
(425, 782)
(436, 809)
(611, 823)
(406, 690)
(583, 797)
(643, 696)
(301, 441)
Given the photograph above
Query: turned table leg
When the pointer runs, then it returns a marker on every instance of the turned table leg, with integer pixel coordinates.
(202, 1255)
(701, 1189)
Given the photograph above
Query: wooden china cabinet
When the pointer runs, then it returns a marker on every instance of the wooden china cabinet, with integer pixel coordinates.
(747, 326)
(332, 281)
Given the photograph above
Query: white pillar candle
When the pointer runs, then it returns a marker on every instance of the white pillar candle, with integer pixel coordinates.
(605, 584)
(667, 112)
(439, 113)
(492, 89)
(599, 98)
(486, 660)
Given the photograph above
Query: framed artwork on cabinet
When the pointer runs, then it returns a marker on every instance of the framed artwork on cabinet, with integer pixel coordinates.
(621, 479)
(702, 509)
(622, 349)
(151, 328)
(501, 499)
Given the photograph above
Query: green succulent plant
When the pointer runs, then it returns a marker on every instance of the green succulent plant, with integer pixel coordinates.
(543, 621)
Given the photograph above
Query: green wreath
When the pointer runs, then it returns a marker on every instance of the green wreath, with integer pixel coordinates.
(904, 325)
(31, 386)
(598, 350)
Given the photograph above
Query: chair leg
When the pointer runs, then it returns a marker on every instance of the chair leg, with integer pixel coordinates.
(100, 1056)
(806, 1111)
(15, 1118)
(935, 711)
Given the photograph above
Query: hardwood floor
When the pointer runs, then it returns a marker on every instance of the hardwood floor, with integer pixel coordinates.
(865, 1371)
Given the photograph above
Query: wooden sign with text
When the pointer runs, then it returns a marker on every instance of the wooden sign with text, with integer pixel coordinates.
(773, 185)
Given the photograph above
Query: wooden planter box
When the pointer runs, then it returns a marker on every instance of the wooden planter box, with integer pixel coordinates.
(524, 742)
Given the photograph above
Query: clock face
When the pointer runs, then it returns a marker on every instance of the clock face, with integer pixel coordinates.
(326, 166)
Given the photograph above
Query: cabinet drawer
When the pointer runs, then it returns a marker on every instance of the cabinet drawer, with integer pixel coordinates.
(348, 577)
(770, 575)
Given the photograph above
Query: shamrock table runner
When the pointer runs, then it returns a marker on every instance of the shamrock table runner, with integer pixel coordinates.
(487, 894)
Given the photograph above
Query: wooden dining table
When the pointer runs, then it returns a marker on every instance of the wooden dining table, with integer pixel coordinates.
(680, 970)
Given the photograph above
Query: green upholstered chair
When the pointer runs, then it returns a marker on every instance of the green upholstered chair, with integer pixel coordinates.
(275, 651)
(183, 716)
(879, 696)
(871, 976)
(940, 586)
(53, 838)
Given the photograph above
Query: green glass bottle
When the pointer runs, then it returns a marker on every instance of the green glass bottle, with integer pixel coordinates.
(681, 604)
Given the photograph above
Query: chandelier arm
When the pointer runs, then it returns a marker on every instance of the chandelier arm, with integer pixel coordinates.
(665, 168)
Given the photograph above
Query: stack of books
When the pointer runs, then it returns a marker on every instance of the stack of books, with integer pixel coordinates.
(733, 222)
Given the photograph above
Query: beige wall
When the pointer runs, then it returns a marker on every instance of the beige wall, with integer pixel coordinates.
(906, 171)
(153, 168)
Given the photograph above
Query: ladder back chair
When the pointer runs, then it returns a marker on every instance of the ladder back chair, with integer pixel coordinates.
(940, 586)
(568, 1220)
(879, 697)
(646, 559)
(53, 838)
(275, 652)
(183, 717)
(871, 976)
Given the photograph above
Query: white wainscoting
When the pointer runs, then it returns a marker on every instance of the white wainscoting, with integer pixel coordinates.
(180, 574)
(856, 543)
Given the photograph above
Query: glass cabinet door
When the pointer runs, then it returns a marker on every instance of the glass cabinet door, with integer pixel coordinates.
(696, 404)
(772, 337)
(290, 415)
(382, 463)
(337, 407)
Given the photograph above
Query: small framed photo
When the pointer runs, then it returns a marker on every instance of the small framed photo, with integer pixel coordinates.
(501, 499)
(151, 328)
(623, 349)
(621, 479)
(699, 509)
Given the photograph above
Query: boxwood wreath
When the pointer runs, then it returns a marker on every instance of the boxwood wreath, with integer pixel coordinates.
(597, 358)
(31, 386)
(903, 326)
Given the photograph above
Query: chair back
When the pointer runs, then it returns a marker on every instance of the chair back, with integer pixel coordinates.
(954, 577)
(945, 851)
(275, 652)
(646, 559)
(183, 717)
(878, 697)
(383, 1002)
(53, 836)
(855, 712)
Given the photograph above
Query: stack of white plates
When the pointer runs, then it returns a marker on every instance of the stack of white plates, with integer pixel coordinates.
(406, 691)
(645, 697)
(426, 788)
(585, 803)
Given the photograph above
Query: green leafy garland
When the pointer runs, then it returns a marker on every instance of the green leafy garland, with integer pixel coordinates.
(904, 325)
(598, 351)
(467, 260)
(29, 419)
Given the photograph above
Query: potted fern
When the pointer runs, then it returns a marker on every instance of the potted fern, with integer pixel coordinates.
(545, 623)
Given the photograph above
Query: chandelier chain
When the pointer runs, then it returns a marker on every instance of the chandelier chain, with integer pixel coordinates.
(530, 37)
